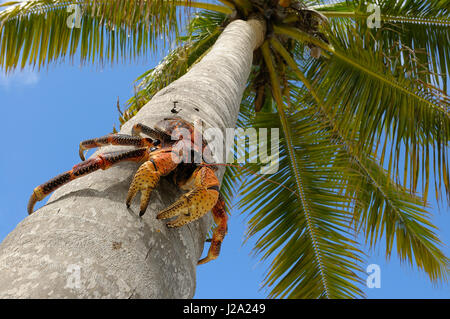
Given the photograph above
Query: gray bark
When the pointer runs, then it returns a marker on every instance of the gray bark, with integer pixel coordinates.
(85, 243)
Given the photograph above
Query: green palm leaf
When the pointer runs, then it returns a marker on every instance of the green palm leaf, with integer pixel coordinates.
(380, 203)
(412, 115)
(413, 32)
(37, 32)
(306, 266)
(307, 236)
(384, 208)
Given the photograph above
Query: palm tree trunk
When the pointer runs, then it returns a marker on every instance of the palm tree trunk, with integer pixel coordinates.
(85, 244)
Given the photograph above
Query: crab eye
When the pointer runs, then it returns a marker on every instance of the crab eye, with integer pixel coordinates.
(156, 142)
(152, 149)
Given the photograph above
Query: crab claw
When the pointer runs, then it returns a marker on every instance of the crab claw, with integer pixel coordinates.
(202, 198)
(196, 203)
(159, 164)
(145, 180)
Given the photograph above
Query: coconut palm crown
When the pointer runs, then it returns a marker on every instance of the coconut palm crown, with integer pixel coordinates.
(363, 114)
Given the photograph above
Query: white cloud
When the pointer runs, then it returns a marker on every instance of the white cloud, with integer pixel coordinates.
(24, 77)
(6, 8)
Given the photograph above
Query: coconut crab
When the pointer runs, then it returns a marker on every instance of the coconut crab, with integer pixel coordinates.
(160, 155)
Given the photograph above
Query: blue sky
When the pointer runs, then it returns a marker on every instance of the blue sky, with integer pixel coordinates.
(46, 114)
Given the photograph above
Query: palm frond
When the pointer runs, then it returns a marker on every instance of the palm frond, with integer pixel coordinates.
(324, 265)
(39, 32)
(380, 203)
(388, 210)
(305, 228)
(361, 89)
(416, 31)
(383, 207)
(411, 11)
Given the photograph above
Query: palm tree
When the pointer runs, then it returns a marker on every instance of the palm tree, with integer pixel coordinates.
(363, 117)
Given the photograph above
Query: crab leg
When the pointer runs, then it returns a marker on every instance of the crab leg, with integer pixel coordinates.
(220, 218)
(160, 163)
(102, 161)
(116, 139)
(196, 203)
(153, 133)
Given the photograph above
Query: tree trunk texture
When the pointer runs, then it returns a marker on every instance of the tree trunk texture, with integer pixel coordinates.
(85, 243)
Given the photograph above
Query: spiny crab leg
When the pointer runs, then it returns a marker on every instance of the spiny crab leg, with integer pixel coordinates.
(220, 218)
(102, 161)
(162, 135)
(153, 133)
(116, 139)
